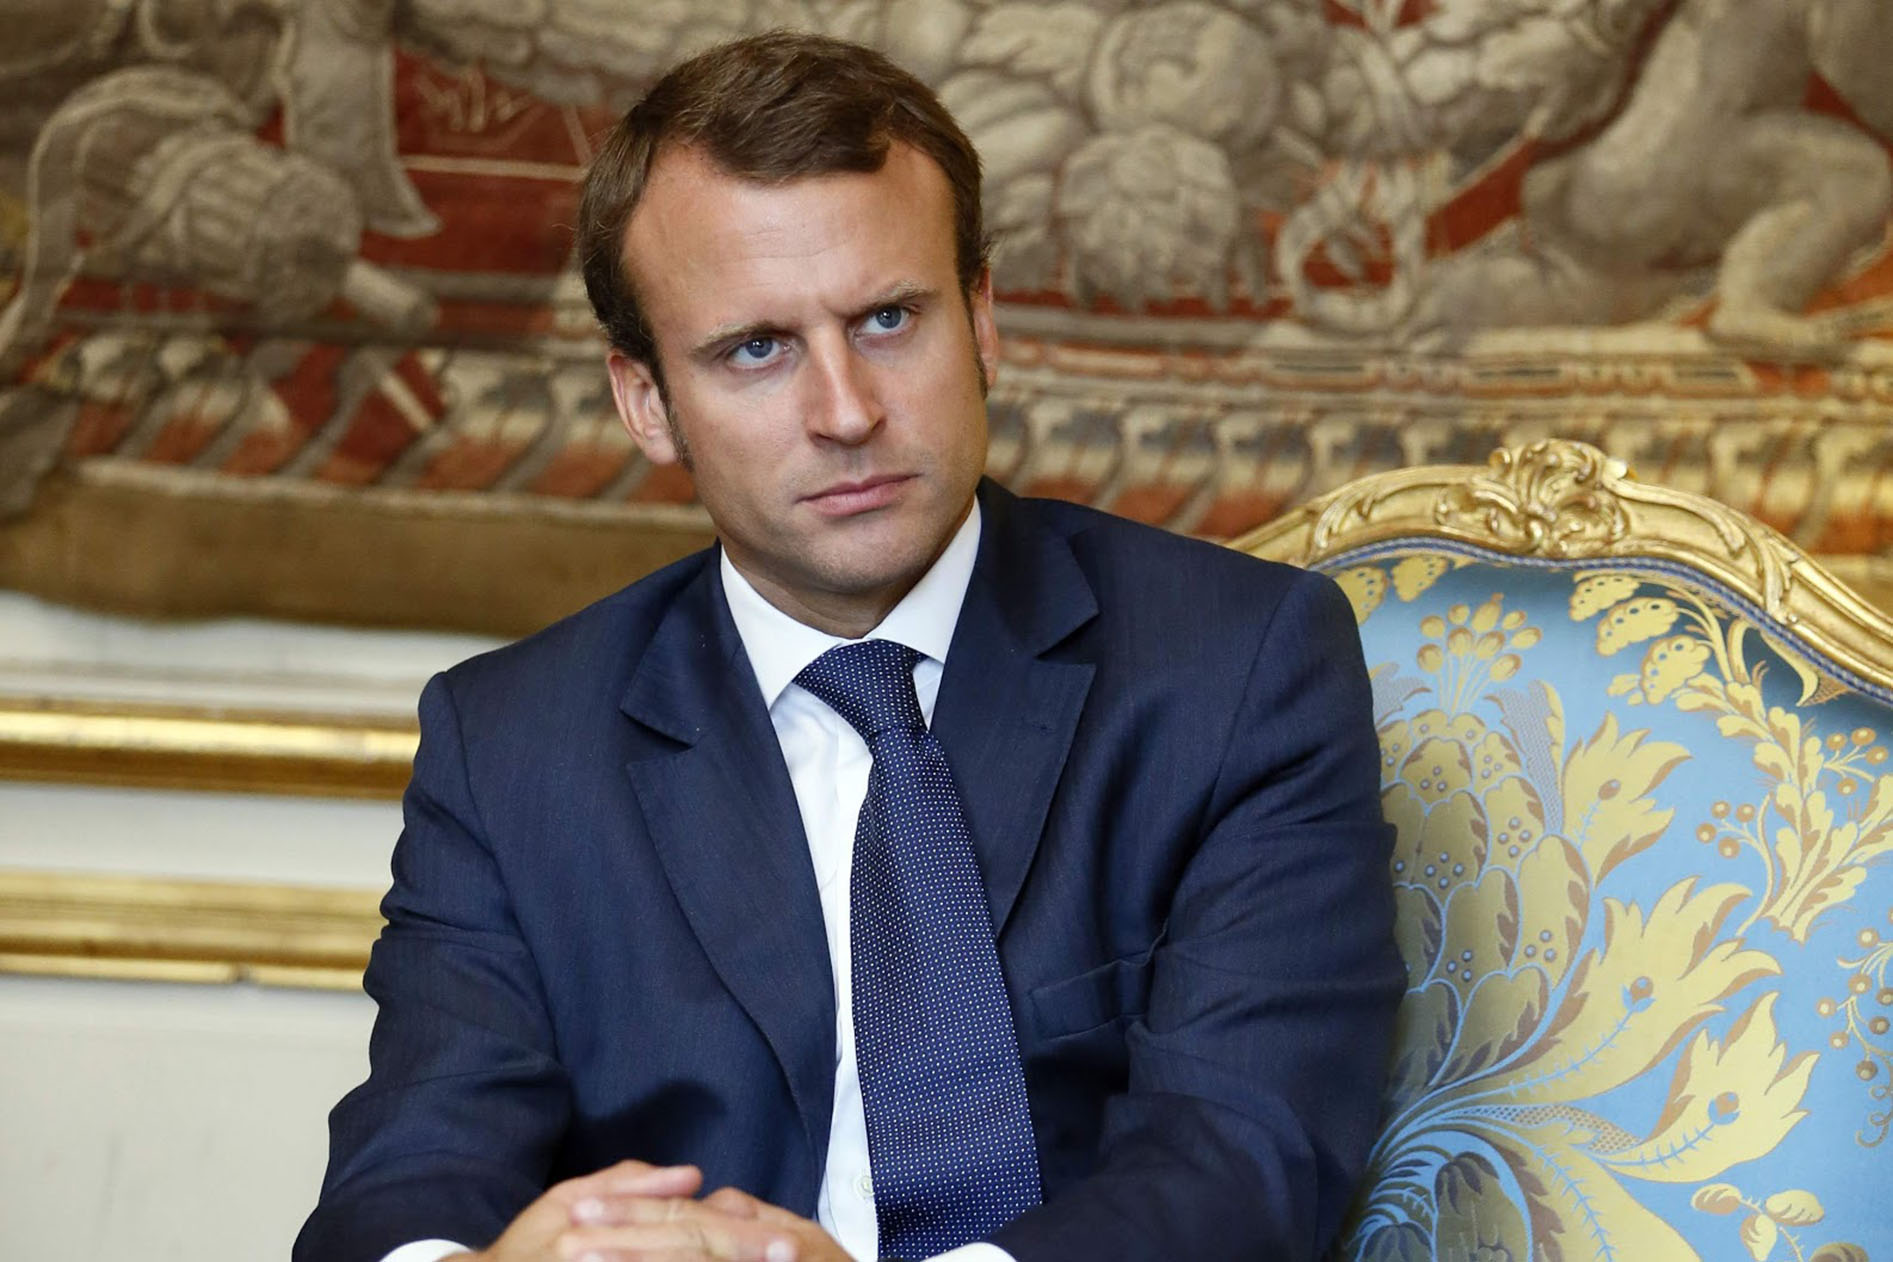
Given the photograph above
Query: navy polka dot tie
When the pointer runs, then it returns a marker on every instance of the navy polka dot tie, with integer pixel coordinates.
(949, 1133)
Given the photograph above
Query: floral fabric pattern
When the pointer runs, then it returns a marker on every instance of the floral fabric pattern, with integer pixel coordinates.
(1644, 871)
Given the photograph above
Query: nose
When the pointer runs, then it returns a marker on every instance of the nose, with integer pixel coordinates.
(844, 403)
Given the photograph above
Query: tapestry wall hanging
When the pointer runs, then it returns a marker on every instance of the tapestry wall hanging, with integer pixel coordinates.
(289, 321)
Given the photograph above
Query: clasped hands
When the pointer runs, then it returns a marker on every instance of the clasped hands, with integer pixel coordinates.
(633, 1212)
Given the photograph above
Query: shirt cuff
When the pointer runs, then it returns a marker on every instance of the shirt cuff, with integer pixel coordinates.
(435, 1250)
(978, 1251)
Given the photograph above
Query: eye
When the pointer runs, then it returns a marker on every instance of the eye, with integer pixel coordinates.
(755, 351)
(888, 319)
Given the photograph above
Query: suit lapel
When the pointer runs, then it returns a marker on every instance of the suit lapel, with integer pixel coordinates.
(723, 818)
(1006, 715)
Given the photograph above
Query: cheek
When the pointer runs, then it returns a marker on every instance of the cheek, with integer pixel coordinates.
(736, 442)
(948, 383)
(749, 480)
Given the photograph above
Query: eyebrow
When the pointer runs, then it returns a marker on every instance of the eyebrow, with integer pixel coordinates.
(730, 335)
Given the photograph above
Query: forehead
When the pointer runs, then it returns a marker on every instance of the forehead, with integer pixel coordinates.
(704, 247)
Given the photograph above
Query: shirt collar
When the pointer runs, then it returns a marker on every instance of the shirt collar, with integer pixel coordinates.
(779, 647)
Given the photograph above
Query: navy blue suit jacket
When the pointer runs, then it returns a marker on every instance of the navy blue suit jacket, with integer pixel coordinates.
(604, 938)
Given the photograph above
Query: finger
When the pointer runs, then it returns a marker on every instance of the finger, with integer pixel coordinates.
(741, 1204)
(652, 1250)
(600, 1211)
(733, 1201)
(632, 1178)
(697, 1238)
(655, 1253)
(606, 1210)
(770, 1214)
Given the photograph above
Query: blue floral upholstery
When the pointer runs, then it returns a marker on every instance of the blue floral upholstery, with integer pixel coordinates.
(1645, 879)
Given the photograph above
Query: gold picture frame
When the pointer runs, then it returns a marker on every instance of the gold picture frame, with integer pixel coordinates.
(59, 924)
(181, 747)
(146, 928)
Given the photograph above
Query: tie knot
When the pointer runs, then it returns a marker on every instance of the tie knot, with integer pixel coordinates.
(870, 683)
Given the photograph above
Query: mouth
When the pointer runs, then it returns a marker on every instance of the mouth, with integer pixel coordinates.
(846, 499)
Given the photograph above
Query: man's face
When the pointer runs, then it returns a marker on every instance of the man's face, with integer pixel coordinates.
(822, 376)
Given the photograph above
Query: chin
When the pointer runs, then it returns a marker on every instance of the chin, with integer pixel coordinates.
(868, 572)
(868, 581)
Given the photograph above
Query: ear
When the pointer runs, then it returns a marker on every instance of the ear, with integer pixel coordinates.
(985, 330)
(641, 407)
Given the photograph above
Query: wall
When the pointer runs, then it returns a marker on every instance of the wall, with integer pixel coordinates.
(184, 1121)
(174, 1123)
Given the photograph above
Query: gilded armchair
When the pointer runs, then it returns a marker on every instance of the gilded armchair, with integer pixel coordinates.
(1635, 751)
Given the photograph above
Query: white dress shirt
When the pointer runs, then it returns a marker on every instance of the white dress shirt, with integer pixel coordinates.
(828, 767)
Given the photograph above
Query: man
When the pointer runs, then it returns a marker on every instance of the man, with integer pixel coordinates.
(1085, 952)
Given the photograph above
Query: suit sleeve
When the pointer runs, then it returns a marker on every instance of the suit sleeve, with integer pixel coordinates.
(453, 1132)
(1255, 1072)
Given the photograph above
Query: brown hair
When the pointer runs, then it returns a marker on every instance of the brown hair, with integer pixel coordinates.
(771, 108)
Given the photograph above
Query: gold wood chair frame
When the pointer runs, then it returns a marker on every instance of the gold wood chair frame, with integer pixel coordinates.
(1560, 501)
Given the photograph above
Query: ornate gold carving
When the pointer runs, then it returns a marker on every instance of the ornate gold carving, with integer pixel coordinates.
(86, 925)
(178, 748)
(1564, 500)
(1550, 500)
